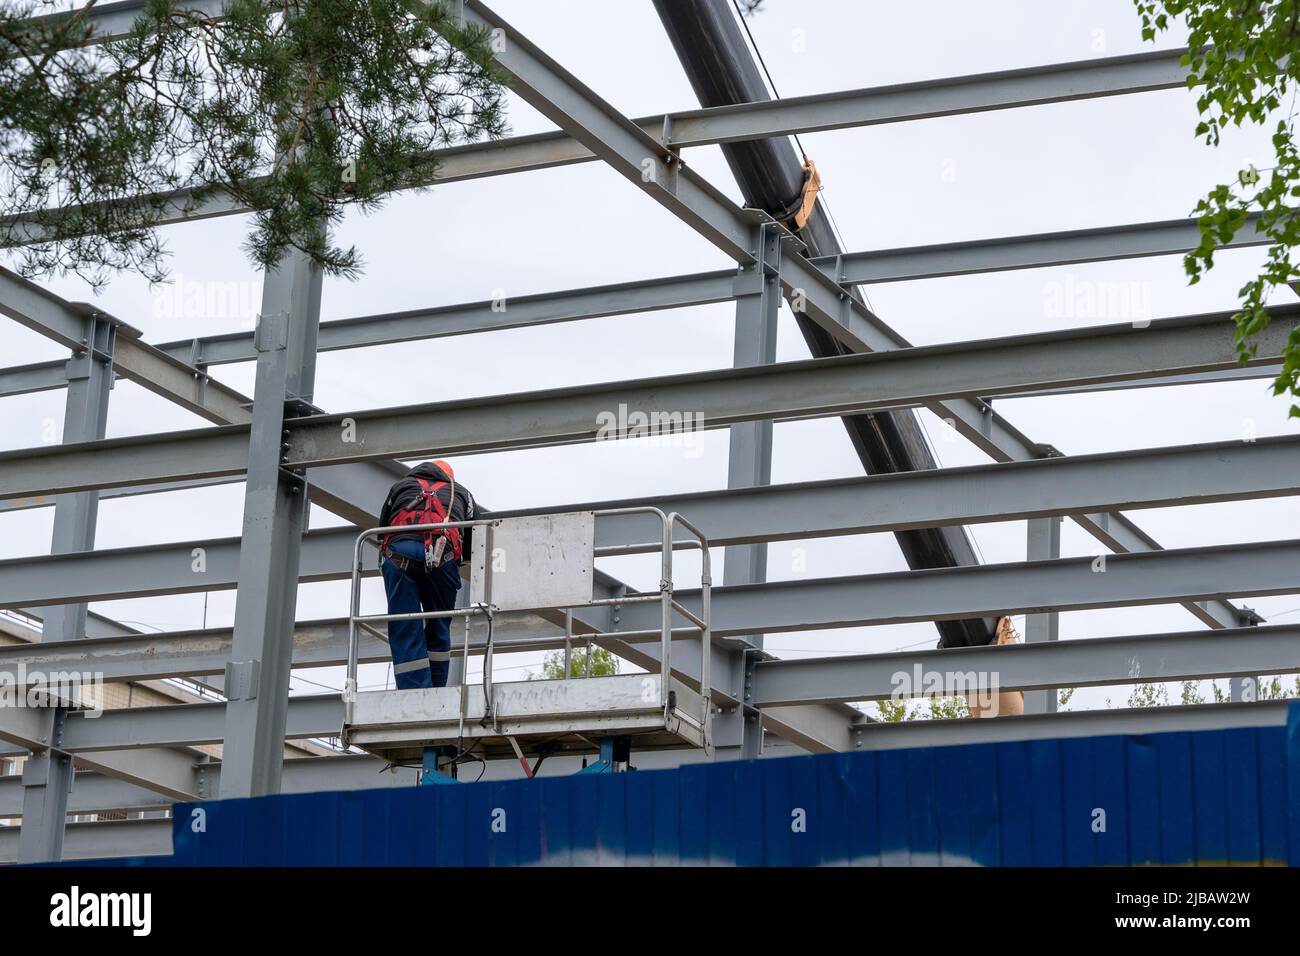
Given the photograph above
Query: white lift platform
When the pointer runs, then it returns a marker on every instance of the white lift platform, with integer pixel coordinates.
(543, 565)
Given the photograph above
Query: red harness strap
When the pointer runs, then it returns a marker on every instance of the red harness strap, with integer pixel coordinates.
(427, 508)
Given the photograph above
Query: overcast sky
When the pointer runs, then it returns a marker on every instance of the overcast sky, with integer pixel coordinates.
(1059, 167)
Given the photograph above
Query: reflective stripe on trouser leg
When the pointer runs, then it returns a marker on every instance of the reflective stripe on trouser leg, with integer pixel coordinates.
(406, 639)
(438, 593)
(409, 667)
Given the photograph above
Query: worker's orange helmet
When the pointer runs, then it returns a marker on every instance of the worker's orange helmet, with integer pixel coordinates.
(445, 468)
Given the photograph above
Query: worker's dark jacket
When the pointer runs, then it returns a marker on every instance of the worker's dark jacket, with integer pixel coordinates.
(405, 490)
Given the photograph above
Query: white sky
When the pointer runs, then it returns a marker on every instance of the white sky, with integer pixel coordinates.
(1058, 167)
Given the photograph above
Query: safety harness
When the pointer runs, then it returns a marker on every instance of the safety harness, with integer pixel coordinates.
(425, 507)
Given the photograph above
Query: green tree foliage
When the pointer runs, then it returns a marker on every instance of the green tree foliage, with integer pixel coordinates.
(897, 710)
(1243, 63)
(1192, 692)
(297, 109)
(603, 664)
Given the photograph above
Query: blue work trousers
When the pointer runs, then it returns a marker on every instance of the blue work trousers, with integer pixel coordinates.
(421, 649)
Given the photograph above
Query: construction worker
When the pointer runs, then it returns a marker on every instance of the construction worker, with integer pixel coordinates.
(421, 571)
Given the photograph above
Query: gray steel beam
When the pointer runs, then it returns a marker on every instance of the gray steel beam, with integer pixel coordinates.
(29, 730)
(882, 735)
(97, 792)
(197, 453)
(1218, 376)
(1134, 241)
(112, 21)
(807, 389)
(124, 491)
(1043, 543)
(48, 773)
(94, 793)
(38, 377)
(33, 307)
(275, 516)
(1160, 577)
(1150, 478)
(352, 492)
(749, 465)
(1039, 666)
(201, 653)
(194, 725)
(947, 96)
(783, 684)
(929, 375)
(1191, 574)
(146, 365)
(673, 292)
(93, 841)
(165, 770)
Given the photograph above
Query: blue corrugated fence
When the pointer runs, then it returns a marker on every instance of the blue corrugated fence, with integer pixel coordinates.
(1174, 799)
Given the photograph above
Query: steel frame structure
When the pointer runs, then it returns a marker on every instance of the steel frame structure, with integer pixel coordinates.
(287, 452)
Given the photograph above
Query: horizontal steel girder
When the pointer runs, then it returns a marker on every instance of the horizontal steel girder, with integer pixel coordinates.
(96, 792)
(1085, 723)
(914, 262)
(200, 723)
(805, 605)
(1194, 655)
(94, 841)
(1158, 577)
(1172, 237)
(807, 389)
(1158, 477)
(906, 102)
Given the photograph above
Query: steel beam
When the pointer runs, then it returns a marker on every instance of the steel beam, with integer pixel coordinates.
(947, 96)
(1038, 666)
(791, 390)
(1190, 574)
(807, 389)
(33, 307)
(112, 21)
(1135, 241)
(789, 684)
(673, 292)
(275, 516)
(94, 841)
(1161, 577)
(38, 377)
(97, 792)
(194, 725)
(749, 465)
(1043, 543)
(124, 491)
(47, 773)
(1150, 478)
(1086, 723)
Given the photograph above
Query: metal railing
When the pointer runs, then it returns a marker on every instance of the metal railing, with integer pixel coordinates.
(664, 596)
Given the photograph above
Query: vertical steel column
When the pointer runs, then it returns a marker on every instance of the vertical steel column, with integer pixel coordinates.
(47, 775)
(1043, 544)
(749, 463)
(275, 514)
